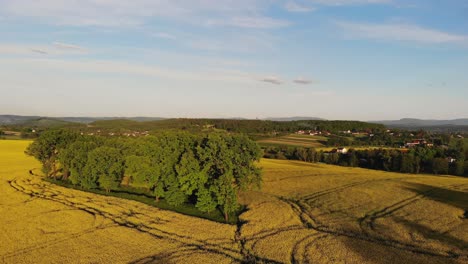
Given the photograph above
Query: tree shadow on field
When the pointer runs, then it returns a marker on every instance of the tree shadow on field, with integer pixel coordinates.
(387, 254)
(164, 257)
(419, 250)
(430, 234)
(450, 197)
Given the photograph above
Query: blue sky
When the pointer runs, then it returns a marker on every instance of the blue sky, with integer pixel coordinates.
(335, 59)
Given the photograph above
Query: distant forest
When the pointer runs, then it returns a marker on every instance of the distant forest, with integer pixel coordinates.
(237, 126)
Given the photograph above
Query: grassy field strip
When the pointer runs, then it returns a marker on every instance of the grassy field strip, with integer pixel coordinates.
(290, 142)
(305, 139)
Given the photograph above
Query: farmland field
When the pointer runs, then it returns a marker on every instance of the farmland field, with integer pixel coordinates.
(305, 213)
(295, 140)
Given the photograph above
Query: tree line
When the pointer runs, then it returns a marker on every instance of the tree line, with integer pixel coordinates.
(207, 170)
(396, 138)
(437, 160)
(238, 126)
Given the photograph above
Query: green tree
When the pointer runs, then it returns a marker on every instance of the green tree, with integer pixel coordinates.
(174, 195)
(352, 159)
(47, 147)
(189, 174)
(407, 163)
(205, 200)
(74, 158)
(459, 167)
(440, 166)
(139, 170)
(226, 195)
(106, 167)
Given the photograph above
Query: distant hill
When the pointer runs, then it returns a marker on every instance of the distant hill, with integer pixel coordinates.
(87, 120)
(413, 122)
(294, 118)
(45, 122)
(453, 126)
(14, 119)
(28, 120)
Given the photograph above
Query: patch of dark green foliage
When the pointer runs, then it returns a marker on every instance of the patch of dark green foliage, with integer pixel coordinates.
(187, 172)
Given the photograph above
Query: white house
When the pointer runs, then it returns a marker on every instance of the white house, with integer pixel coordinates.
(342, 150)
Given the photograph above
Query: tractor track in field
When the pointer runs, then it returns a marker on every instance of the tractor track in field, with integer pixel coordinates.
(368, 221)
(310, 239)
(240, 254)
(315, 195)
(309, 222)
(189, 244)
(122, 220)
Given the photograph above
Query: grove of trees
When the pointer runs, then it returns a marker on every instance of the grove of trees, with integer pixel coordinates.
(207, 170)
(437, 160)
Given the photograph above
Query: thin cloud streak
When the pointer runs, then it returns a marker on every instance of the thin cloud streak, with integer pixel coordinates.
(272, 80)
(66, 46)
(39, 51)
(303, 81)
(351, 2)
(163, 35)
(399, 32)
(292, 6)
(258, 22)
(125, 68)
(122, 13)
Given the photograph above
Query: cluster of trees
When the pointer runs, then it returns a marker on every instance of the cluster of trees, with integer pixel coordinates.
(292, 153)
(437, 160)
(337, 141)
(380, 137)
(417, 160)
(205, 169)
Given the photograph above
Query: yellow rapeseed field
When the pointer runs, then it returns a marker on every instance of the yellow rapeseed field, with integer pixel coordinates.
(352, 215)
(305, 213)
(44, 223)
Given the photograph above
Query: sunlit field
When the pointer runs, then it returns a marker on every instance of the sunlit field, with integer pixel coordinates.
(315, 213)
(295, 140)
(305, 213)
(45, 223)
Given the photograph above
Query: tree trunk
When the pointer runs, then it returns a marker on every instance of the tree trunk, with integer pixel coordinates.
(226, 216)
(157, 199)
(66, 173)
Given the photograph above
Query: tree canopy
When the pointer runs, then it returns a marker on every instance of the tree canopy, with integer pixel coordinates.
(206, 169)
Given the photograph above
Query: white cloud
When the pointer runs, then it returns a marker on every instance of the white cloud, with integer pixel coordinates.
(163, 35)
(66, 46)
(399, 32)
(39, 51)
(292, 6)
(260, 22)
(8, 49)
(125, 68)
(302, 80)
(239, 13)
(272, 79)
(238, 43)
(55, 49)
(351, 2)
